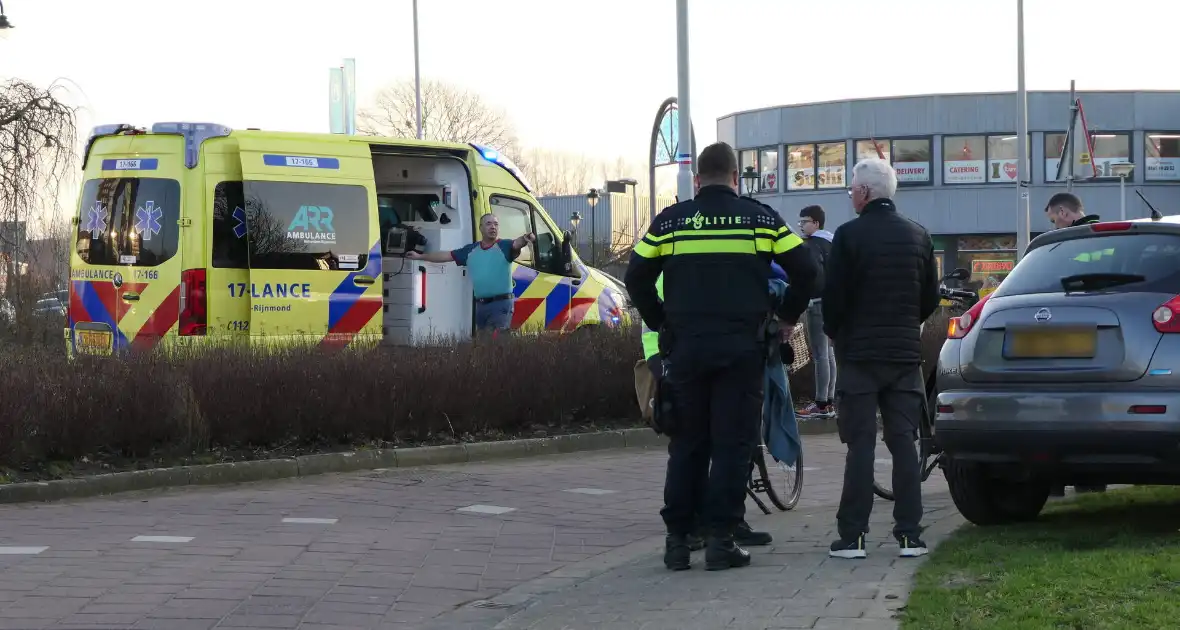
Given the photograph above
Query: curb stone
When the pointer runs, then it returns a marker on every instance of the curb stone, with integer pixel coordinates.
(323, 463)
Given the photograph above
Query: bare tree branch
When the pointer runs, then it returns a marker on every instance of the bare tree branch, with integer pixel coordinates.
(449, 113)
(37, 139)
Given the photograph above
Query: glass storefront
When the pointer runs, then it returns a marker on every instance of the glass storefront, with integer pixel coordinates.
(988, 258)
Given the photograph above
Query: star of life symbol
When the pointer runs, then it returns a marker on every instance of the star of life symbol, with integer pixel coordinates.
(147, 220)
(96, 220)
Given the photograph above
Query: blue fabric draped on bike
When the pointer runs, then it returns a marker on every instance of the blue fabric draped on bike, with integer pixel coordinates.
(780, 428)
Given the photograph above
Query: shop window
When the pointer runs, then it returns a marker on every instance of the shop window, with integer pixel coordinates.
(872, 148)
(911, 160)
(832, 168)
(964, 159)
(1162, 163)
(768, 169)
(910, 157)
(1109, 149)
(988, 258)
(764, 162)
(1003, 153)
(800, 166)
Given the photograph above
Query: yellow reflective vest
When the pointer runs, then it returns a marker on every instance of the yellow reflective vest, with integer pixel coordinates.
(651, 338)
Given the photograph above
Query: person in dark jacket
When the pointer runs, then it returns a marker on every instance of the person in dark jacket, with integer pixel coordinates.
(1065, 210)
(819, 243)
(714, 252)
(880, 284)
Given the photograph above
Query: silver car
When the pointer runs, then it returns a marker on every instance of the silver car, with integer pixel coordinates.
(1069, 374)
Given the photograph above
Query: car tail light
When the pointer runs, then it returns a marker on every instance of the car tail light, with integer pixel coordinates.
(1148, 409)
(961, 325)
(193, 313)
(945, 409)
(1113, 226)
(1167, 316)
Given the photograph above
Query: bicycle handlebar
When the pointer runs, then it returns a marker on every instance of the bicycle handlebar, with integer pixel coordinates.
(957, 295)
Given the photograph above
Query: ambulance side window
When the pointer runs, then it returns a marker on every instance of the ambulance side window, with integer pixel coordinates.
(230, 247)
(515, 220)
(306, 225)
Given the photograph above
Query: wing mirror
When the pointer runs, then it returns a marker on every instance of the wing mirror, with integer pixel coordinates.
(565, 261)
(958, 274)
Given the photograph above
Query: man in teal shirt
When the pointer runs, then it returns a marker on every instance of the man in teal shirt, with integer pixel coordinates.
(744, 534)
(490, 264)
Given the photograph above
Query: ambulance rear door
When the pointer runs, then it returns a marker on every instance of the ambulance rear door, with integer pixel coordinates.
(315, 263)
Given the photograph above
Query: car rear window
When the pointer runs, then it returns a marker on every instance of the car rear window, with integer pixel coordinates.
(128, 221)
(1156, 257)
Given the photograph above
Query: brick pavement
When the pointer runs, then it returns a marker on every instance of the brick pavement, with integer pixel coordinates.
(389, 549)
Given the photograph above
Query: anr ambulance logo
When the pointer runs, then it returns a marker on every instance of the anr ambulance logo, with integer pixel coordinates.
(313, 224)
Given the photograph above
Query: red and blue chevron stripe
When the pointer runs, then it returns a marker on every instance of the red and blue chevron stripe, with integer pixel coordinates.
(563, 311)
(96, 302)
(349, 310)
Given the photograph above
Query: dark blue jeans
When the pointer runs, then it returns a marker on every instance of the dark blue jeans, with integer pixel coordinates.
(494, 315)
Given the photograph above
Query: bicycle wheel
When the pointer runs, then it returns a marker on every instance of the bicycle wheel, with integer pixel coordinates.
(784, 480)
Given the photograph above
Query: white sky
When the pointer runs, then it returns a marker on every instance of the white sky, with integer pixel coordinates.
(580, 76)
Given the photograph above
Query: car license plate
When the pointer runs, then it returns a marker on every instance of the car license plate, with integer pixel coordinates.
(1051, 344)
(94, 341)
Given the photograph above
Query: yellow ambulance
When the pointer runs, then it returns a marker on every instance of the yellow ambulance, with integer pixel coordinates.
(196, 230)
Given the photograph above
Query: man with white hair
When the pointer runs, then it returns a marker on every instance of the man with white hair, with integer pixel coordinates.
(881, 283)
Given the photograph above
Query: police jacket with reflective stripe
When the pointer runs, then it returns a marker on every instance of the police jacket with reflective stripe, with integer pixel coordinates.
(715, 253)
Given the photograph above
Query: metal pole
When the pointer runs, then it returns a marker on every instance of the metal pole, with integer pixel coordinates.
(1122, 197)
(594, 235)
(417, 74)
(684, 146)
(1022, 186)
(1073, 113)
(634, 213)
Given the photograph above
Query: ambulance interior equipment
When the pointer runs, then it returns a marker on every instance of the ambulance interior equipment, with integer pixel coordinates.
(425, 204)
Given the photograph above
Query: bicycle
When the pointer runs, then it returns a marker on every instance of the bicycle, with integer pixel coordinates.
(792, 475)
(929, 454)
(792, 484)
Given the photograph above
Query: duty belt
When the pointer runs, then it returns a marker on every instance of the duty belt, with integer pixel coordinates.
(494, 298)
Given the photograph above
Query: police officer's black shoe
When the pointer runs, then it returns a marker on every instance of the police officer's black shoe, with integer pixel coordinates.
(745, 535)
(676, 552)
(723, 553)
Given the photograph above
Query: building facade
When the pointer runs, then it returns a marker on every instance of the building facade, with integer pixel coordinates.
(956, 159)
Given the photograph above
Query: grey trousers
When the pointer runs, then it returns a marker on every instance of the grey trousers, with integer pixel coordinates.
(898, 390)
(823, 356)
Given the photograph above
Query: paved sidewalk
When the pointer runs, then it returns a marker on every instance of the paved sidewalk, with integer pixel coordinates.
(791, 584)
(448, 547)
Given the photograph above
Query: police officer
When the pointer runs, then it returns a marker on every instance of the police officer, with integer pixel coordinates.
(715, 253)
(1065, 210)
(743, 535)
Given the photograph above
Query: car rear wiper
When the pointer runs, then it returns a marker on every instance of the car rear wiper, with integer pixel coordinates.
(1095, 281)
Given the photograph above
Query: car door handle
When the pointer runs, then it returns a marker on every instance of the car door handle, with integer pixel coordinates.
(363, 281)
(130, 297)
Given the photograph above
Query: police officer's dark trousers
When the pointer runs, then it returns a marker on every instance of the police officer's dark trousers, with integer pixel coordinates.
(718, 405)
(897, 389)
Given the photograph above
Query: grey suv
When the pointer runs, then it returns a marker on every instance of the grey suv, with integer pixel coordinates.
(1069, 374)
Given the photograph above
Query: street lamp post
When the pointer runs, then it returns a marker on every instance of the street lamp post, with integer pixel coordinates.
(575, 221)
(750, 178)
(1022, 183)
(1122, 171)
(592, 199)
(684, 148)
(417, 75)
